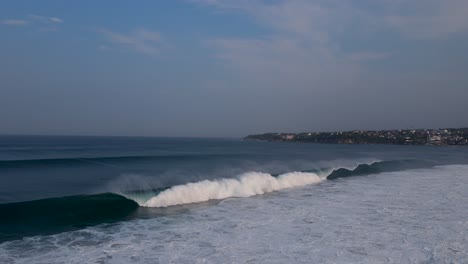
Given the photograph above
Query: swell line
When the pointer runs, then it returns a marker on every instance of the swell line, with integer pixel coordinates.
(98, 160)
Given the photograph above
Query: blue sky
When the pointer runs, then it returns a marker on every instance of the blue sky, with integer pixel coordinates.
(231, 68)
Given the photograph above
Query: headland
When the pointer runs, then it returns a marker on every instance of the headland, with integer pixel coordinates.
(439, 137)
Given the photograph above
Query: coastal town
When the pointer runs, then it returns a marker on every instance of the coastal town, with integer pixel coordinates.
(438, 137)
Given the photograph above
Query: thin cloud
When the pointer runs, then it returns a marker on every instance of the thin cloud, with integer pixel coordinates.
(415, 19)
(307, 35)
(55, 20)
(14, 22)
(45, 24)
(142, 40)
(446, 18)
(297, 47)
(45, 19)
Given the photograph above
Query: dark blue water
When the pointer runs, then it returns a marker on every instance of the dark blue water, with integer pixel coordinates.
(36, 167)
(102, 199)
(51, 184)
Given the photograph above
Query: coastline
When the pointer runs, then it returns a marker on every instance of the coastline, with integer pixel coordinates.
(431, 137)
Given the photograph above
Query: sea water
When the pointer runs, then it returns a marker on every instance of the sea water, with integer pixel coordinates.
(156, 200)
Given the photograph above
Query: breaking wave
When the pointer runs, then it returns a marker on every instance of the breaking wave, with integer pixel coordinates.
(52, 215)
(256, 183)
(249, 184)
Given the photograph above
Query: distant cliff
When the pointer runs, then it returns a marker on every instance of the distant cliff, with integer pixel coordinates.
(448, 136)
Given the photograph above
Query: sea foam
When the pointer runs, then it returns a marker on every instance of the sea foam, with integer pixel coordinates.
(248, 184)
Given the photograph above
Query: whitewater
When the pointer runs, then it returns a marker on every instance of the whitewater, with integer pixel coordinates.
(413, 216)
(163, 200)
(246, 185)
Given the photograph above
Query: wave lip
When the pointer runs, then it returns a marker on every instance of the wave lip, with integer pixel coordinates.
(256, 183)
(246, 185)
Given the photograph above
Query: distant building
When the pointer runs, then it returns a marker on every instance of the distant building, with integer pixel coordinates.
(434, 139)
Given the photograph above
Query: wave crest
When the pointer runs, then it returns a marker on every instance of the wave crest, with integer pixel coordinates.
(248, 184)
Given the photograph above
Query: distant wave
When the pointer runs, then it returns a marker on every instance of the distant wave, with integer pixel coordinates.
(25, 163)
(74, 212)
(378, 167)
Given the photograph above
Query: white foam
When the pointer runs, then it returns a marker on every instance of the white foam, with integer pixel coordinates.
(246, 185)
(415, 216)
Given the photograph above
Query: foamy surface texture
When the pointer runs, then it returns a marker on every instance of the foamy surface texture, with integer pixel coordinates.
(246, 185)
(413, 216)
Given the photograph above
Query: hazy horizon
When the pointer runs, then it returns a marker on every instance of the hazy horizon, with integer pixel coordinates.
(215, 137)
(220, 68)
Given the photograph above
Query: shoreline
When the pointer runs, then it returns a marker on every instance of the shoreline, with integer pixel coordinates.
(415, 137)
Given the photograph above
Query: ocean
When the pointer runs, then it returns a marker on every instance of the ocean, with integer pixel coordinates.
(70, 199)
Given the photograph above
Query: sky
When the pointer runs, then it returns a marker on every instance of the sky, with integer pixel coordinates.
(225, 68)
